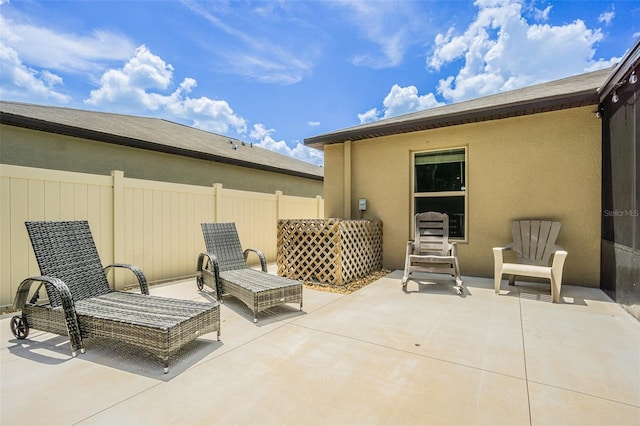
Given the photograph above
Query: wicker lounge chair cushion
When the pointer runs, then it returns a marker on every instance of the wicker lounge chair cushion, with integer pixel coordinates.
(141, 310)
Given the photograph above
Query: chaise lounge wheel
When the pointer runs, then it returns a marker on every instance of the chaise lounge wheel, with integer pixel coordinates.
(200, 283)
(19, 327)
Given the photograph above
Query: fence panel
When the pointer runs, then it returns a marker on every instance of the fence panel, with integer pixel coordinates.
(162, 226)
(255, 216)
(154, 225)
(292, 207)
(37, 194)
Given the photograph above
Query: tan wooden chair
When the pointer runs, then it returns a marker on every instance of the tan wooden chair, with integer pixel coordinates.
(431, 251)
(536, 254)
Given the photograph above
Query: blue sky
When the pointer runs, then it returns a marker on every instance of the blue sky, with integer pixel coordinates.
(276, 72)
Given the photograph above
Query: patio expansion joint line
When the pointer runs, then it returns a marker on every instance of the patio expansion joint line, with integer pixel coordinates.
(241, 345)
(615, 401)
(524, 356)
(115, 404)
(194, 367)
(459, 364)
(283, 324)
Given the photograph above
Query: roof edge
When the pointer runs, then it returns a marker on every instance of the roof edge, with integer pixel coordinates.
(629, 62)
(63, 129)
(478, 114)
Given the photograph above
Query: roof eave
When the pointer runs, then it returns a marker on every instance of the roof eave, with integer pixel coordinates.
(628, 63)
(63, 129)
(552, 103)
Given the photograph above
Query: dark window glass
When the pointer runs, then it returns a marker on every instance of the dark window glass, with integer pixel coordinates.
(442, 171)
(452, 206)
(436, 173)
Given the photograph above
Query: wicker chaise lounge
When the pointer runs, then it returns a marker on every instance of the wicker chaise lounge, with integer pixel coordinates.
(81, 303)
(223, 268)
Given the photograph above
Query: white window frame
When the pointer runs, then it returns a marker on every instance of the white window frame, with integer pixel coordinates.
(464, 193)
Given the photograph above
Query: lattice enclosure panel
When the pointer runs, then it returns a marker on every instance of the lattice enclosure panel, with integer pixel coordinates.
(328, 251)
(360, 248)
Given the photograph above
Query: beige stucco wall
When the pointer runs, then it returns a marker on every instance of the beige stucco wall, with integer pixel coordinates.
(32, 148)
(546, 165)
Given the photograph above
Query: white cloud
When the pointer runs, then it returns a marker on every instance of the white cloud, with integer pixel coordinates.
(501, 51)
(392, 26)
(68, 52)
(370, 116)
(607, 17)
(542, 15)
(403, 100)
(313, 123)
(22, 83)
(257, 53)
(33, 56)
(139, 83)
(301, 152)
(400, 100)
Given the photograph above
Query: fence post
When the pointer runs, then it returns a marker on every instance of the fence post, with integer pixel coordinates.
(278, 204)
(217, 202)
(118, 225)
(319, 213)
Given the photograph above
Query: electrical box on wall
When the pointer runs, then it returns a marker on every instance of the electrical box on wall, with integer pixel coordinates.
(362, 204)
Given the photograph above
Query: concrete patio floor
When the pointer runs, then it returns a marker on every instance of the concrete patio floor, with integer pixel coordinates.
(377, 356)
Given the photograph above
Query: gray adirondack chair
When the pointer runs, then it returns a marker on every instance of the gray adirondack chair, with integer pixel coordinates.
(537, 255)
(431, 250)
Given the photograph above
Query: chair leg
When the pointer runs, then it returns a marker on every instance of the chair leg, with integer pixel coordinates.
(512, 280)
(556, 274)
(497, 268)
(456, 267)
(497, 282)
(405, 278)
(407, 265)
(555, 289)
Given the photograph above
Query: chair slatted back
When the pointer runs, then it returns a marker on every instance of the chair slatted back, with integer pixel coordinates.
(221, 239)
(432, 233)
(534, 241)
(66, 250)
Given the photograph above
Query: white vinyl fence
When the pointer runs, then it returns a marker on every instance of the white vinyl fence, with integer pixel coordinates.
(154, 225)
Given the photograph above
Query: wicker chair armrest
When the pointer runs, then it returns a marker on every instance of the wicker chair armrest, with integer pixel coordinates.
(62, 290)
(142, 280)
(263, 259)
(213, 260)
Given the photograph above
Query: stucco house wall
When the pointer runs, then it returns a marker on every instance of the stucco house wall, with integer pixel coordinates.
(545, 165)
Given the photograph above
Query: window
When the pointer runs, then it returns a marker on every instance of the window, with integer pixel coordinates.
(440, 185)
